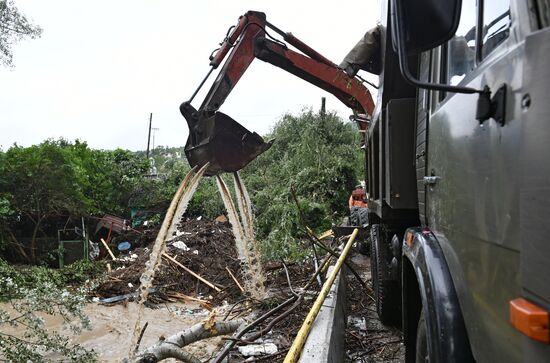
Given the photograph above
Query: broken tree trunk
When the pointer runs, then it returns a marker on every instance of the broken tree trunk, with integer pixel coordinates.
(171, 347)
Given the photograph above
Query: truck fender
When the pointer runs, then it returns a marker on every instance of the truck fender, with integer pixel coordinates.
(427, 284)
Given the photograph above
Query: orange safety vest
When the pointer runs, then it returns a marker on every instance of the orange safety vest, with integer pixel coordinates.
(357, 198)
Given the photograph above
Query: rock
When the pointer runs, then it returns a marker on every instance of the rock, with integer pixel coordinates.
(221, 219)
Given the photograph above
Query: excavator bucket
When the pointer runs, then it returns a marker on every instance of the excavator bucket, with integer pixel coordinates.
(220, 140)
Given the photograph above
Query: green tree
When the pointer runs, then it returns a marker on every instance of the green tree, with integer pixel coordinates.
(40, 182)
(14, 27)
(319, 155)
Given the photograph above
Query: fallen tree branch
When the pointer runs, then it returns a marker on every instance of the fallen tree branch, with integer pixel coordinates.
(271, 356)
(276, 266)
(243, 330)
(181, 296)
(173, 351)
(296, 299)
(171, 347)
(277, 319)
(141, 336)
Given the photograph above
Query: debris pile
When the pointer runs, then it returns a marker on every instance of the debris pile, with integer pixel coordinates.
(204, 247)
(366, 338)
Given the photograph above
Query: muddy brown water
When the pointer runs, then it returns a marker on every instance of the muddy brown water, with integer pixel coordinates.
(112, 328)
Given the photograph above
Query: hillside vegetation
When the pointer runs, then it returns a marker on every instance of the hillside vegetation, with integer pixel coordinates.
(318, 155)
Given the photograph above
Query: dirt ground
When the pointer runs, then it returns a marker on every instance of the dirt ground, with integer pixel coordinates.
(366, 339)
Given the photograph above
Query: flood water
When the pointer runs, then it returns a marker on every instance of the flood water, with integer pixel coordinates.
(112, 328)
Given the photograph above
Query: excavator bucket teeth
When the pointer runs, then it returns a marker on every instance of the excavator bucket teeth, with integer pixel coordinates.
(220, 140)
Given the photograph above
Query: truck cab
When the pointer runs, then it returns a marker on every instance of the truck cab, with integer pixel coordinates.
(458, 180)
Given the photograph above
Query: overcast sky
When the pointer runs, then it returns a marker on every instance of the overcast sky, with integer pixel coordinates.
(101, 67)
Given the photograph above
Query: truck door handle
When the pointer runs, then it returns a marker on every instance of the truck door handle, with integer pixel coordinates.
(431, 180)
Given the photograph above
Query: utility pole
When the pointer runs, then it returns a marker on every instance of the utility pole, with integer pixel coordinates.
(323, 107)
(149, 136)
(154, 131)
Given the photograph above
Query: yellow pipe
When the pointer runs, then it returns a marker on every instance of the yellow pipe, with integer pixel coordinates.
(298, 344)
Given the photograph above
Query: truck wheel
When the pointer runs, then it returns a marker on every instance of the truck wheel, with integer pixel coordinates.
(422, 355)
(386, 292)
(354, 216)
(363, 216)
(364, 244)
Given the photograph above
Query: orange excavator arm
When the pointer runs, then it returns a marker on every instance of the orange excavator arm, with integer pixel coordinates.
(216, 138)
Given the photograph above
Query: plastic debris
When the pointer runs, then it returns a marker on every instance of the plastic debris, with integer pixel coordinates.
(124, 246)
(357, 322)
(181, 246)
(257, 349)
(94, 250)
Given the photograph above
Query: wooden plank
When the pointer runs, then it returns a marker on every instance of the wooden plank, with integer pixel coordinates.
(205, 281)
(108, 249)
(234, 278)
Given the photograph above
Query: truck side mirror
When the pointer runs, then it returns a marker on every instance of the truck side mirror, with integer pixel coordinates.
(425, 24)
(419, 25)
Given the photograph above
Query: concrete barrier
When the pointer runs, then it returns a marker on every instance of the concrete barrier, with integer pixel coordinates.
(325, 342)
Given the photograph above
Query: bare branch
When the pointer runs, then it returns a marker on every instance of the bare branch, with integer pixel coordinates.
(171, 346)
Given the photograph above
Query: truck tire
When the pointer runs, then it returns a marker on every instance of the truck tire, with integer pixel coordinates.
(364, 244)
(422, 354)
(354, 216)
(363, 216)
(386, 292)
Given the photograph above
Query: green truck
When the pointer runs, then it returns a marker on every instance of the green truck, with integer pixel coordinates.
(458, 179)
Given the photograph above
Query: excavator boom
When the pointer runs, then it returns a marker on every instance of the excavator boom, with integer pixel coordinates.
(215, 137)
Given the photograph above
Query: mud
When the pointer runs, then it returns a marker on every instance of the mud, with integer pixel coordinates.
(112, 328)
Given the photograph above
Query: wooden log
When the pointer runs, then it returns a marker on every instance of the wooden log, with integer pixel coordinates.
(170, 347)
(202, 279)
